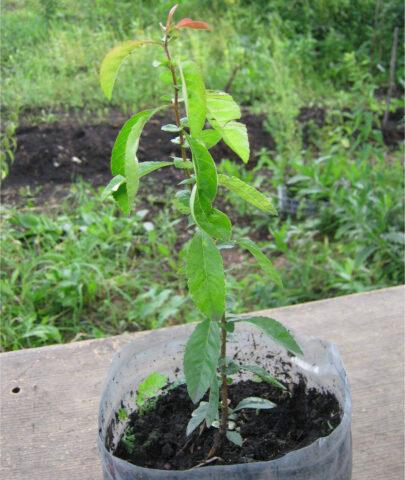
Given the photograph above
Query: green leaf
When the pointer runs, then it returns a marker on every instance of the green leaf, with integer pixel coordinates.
(230, 327)
(213, 402)
(113, 61)
(222, 111)
(201, 358)
(113, 186)
(234, 437)
(170, 127)
(122, 414)
(214, 222)
(182, 201)
(274, 329)
(182, 164)
(248, 193)
(221, 107)
(262, 260)
(263, 374)
(197, 417)
(149, 388)
(194, 96)
(45, 333)
(210, 137)
(123, 158)
(144, 168)
(121, 197)
(256, 403)
(205, 274)
(235, 135)
(205, 172)
(188, 181)
(134, 124)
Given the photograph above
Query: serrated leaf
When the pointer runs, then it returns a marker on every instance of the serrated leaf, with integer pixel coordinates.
(213, 402)
(123, 158)
(183, 164)
(214, 222)
(201, 358)
(221, 107)
(194, 96)
(205, 274)
(182, 201)
(113, 185)
(170, 127)
(149, 388)
(262, 260)
(274, 329)
(113, 61)
(197, 417)
(210, 137)
(148, 167)
(134, 124)
(255, 403)
(194, 24)
(205, 173)
(234, 437)
(188, 181)
(121, 198)
(248, 193)
(235, 135)
(263, 374)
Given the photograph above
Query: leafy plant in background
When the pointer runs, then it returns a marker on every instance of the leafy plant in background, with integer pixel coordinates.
(8, 144)
(206, 366)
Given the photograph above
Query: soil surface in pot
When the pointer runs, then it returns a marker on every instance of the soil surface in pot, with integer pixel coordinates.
(302, 415)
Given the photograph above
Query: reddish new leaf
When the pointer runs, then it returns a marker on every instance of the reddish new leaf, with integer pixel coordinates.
(195, 24)
(170, 16)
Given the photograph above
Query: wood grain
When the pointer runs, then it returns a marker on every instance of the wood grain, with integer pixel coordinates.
(49, 428)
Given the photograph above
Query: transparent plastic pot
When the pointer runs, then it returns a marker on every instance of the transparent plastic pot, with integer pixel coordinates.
(328, 458)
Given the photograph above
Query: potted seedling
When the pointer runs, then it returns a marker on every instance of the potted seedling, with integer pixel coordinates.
(247, 401)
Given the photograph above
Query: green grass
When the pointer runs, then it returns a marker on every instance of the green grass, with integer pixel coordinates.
(82, 270)
(288, 53)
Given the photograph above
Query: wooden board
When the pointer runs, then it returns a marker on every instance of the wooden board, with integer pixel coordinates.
(49, 428)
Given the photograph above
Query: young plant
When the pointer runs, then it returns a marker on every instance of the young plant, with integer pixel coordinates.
(206, 366)
(148, 390)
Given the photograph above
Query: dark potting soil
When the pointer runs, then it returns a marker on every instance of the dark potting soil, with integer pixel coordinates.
(301, 416)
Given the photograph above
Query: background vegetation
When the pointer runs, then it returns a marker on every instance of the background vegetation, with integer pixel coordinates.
(81, 270)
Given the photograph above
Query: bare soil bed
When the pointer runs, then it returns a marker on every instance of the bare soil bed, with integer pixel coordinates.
(52, 156)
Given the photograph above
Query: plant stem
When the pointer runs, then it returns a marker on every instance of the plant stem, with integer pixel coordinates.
(220, 436)
(223, 421)
(224, 382)
(175, 102)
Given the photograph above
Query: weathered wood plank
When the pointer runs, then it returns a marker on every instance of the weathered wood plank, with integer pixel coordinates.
(48, 429)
